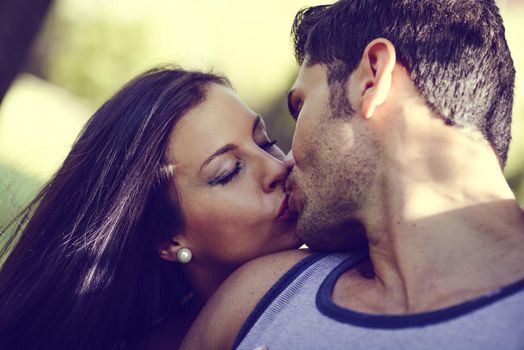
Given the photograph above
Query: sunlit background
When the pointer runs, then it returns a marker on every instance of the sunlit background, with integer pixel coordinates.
(87, 49)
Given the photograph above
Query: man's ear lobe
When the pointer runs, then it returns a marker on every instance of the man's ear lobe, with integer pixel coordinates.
(378, 62)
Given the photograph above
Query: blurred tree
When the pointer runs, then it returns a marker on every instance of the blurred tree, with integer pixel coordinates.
(91, 54)
(20, 22)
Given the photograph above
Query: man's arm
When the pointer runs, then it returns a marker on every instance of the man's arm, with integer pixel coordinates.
(217, 326)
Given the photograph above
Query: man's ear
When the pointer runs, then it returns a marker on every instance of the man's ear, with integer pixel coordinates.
(376, 65)
(169, 249)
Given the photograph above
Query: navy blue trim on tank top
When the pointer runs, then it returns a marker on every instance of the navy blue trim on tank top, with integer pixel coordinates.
(274, 292)
(328, 308)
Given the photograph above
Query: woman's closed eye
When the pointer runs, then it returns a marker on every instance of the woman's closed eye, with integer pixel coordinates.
(224, 179)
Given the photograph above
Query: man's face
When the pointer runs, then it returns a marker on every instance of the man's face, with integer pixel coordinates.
(334, 166)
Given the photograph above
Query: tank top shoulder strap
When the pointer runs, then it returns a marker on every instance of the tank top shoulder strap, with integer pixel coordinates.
(300, 282)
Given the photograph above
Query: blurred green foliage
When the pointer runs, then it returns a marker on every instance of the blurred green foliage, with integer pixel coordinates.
(93, 57)
(88, 49)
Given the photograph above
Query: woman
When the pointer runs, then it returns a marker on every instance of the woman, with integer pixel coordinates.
(172, 184)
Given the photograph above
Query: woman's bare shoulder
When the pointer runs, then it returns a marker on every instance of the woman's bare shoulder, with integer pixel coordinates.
(267, 269)
(219, 322)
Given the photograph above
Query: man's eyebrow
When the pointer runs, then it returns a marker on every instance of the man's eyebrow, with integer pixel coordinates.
(290, 107)
(221, 150)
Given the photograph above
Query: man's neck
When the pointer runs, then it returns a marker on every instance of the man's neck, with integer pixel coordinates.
(447, 229)
(450, 257)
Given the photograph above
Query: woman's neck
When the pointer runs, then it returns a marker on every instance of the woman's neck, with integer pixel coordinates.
(205, 278)
(169, 333)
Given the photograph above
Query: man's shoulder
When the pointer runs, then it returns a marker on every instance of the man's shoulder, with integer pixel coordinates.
(225, 313)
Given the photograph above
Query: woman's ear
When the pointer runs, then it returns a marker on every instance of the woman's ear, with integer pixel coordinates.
(169, 250)
(377, 65)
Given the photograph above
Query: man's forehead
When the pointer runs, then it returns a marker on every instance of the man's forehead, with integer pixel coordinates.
(308, 75)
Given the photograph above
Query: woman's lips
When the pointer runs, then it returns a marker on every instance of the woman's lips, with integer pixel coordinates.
(283, 212)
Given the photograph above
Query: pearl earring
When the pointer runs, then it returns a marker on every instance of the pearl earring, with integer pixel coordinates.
(184, 255)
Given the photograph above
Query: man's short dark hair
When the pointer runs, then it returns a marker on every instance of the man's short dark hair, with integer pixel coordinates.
(455, 51)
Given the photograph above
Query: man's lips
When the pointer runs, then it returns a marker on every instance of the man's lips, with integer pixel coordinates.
(283, 212)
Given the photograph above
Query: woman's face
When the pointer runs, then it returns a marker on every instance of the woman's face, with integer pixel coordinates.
(229, 178)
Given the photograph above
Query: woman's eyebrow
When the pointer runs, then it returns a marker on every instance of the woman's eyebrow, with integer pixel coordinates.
(227, 148)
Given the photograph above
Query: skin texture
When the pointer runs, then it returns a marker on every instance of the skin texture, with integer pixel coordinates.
(314, 184)
(442, 224)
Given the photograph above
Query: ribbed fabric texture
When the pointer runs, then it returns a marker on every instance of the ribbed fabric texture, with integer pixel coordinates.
(299, 314)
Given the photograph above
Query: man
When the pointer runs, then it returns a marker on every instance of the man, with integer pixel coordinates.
(403, 115)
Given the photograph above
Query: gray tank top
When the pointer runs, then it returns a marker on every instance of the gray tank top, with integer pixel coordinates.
(298, 313)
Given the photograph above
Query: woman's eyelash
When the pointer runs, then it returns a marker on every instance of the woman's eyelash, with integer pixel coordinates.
(224, 180)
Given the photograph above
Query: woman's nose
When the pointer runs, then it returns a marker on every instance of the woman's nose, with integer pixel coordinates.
(276, 173)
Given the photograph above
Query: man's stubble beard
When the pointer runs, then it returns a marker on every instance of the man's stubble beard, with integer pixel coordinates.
(335, 190)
